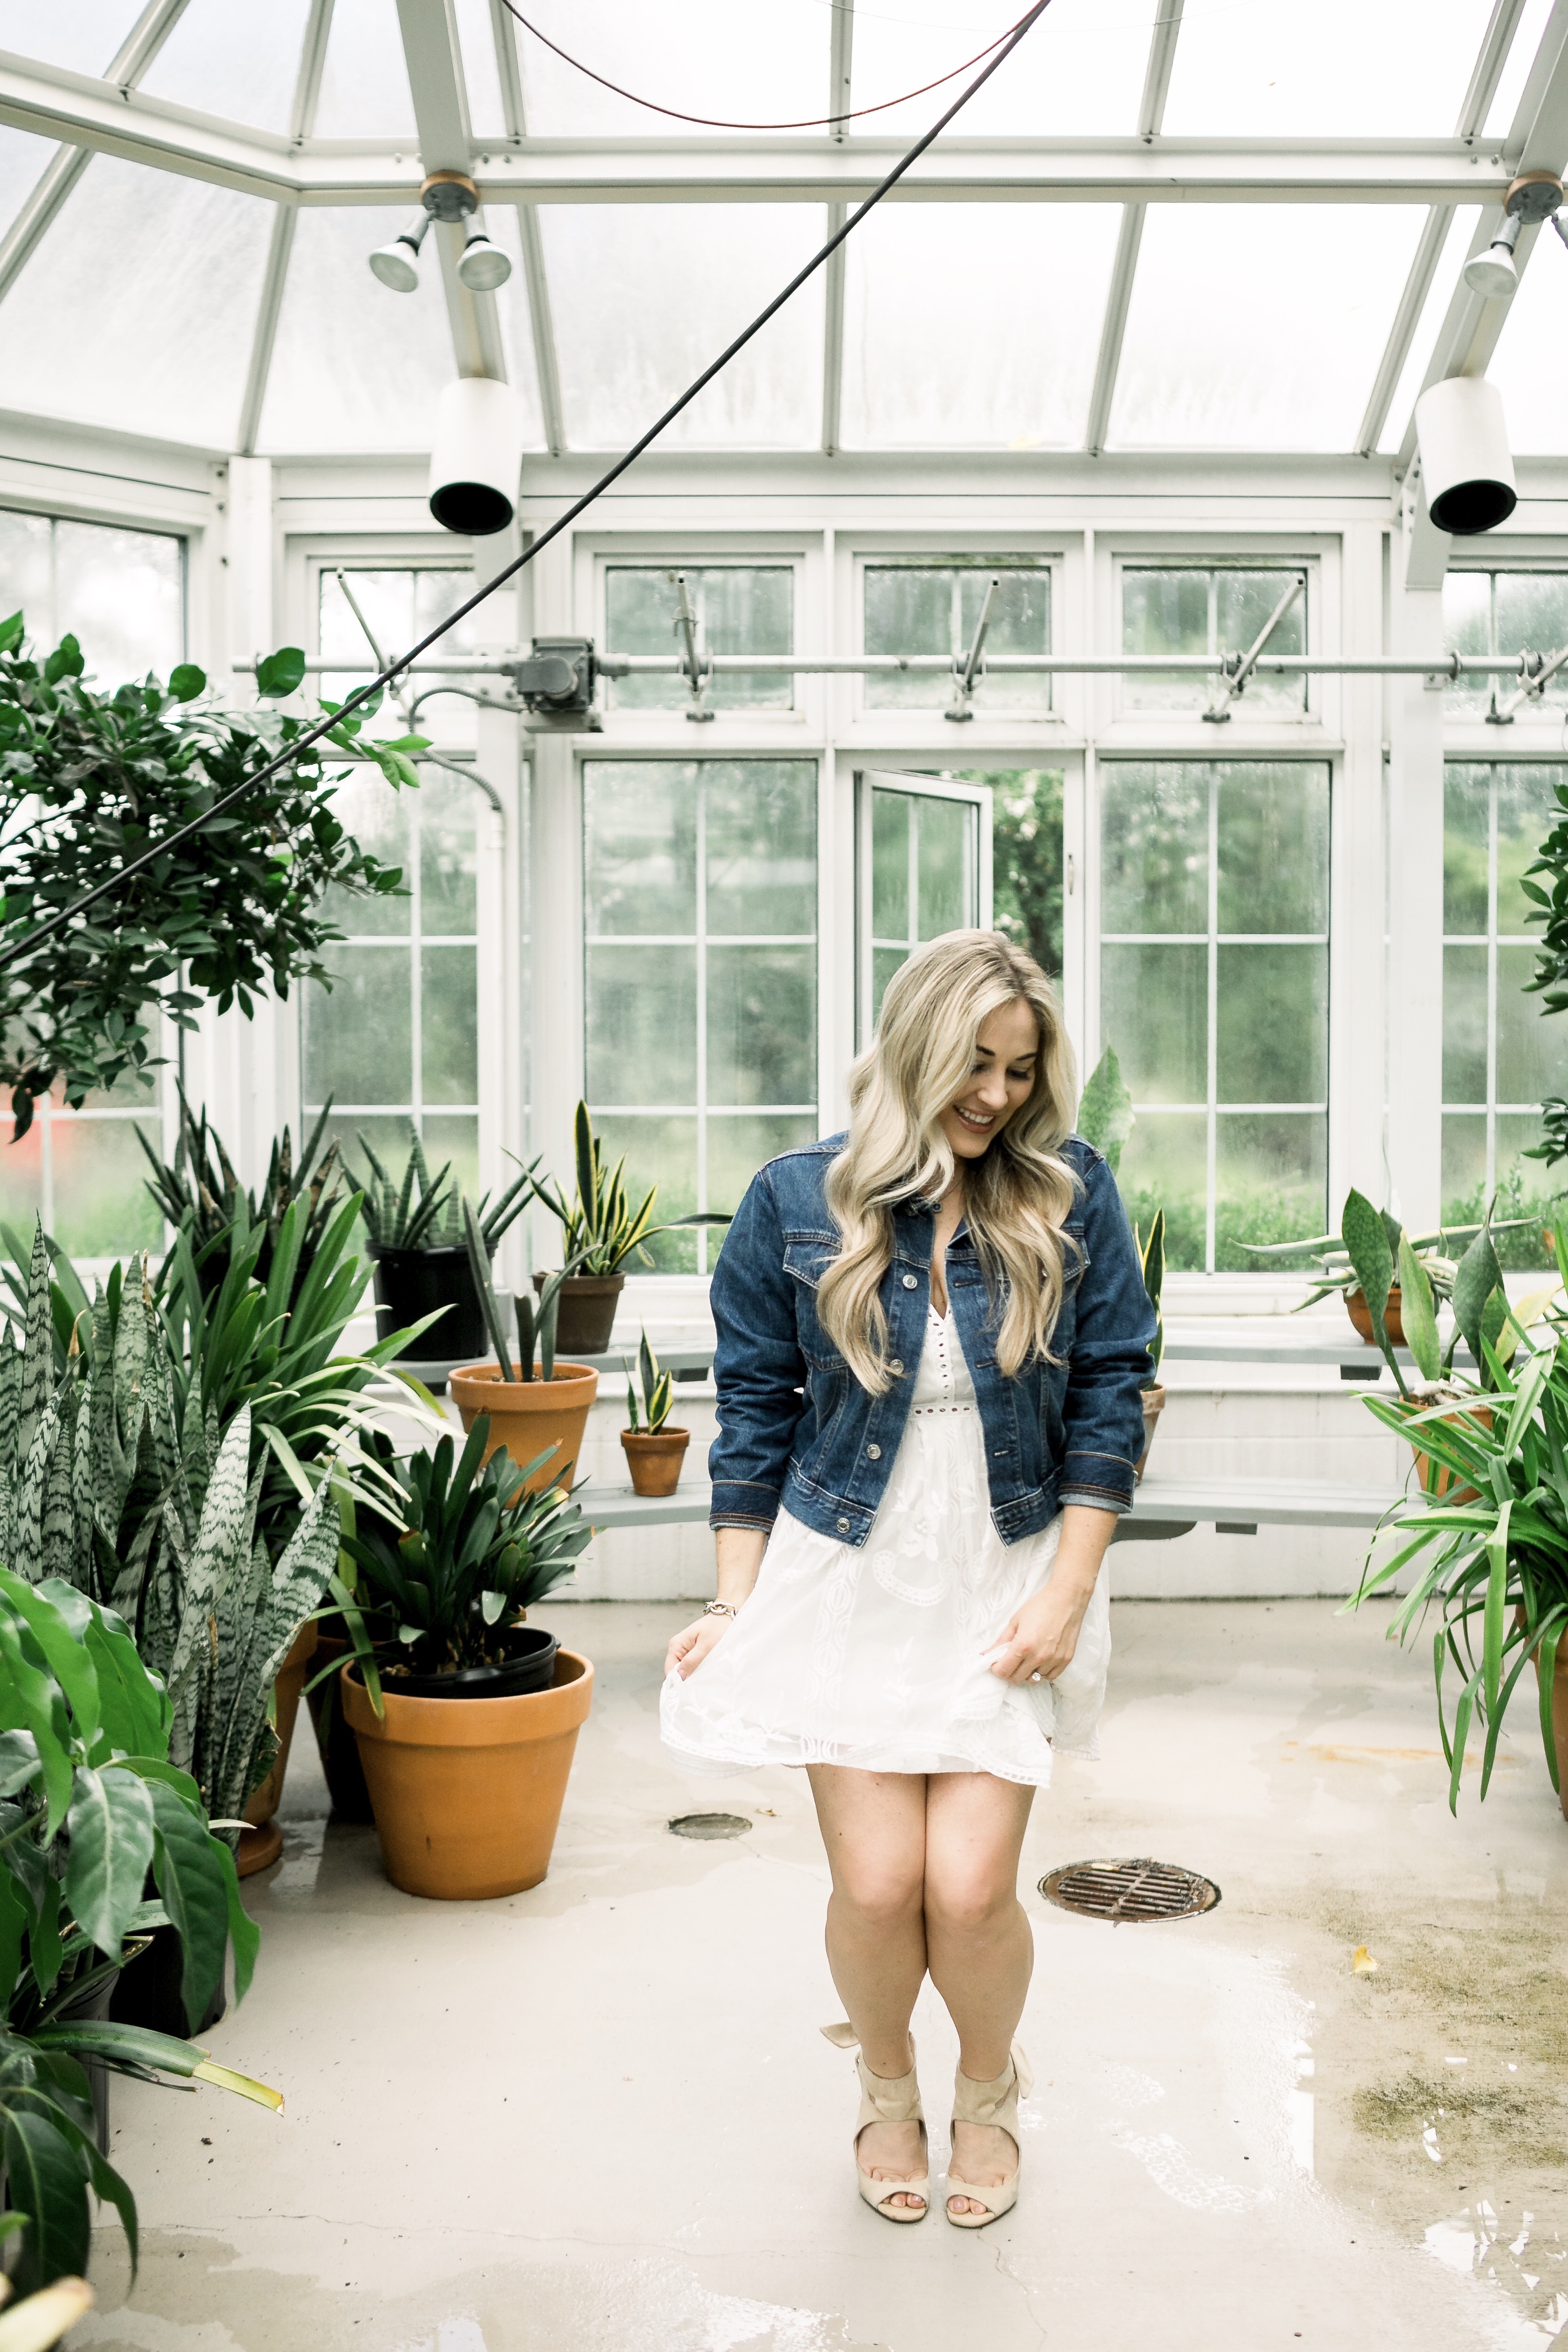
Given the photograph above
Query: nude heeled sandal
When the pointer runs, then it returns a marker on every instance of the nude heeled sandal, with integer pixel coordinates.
(989, 2102)
(886, 2099)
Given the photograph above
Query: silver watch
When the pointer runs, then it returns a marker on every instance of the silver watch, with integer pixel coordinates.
(719, 1609)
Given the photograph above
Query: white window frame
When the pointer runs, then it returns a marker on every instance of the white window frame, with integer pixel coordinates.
(1191, 556)
(910, 551)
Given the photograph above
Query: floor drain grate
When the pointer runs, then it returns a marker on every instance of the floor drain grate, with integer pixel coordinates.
(1119, 1891)
(711, 1825)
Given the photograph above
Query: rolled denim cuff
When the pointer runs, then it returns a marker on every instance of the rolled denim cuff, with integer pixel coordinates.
(738, 1503)
(1103, 1482)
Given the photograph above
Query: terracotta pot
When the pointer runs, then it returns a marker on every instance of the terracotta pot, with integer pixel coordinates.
(654, 1459)
(467, 1791)
(1359, 1314)
(1433, 1477)
(262, 1842)
(586, 1313)
(335, 1743)
(1153, 1406)
(528, 1415)
(1559, 1713)
(412, 1283)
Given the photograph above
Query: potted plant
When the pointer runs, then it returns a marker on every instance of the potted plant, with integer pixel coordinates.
(1152, 1256)
(1493, 1539)
(654, 1451)
(599, 1232)
(541, 1412)
(417, 1249)
(1337, 1268)
(198, 1194)
(466, 1716)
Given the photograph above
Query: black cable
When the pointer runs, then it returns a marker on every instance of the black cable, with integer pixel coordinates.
(302, 743)
(706, 122)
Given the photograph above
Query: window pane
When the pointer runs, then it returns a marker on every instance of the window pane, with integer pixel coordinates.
(1464, 1167)
(1533, 616)
(761, 1024)
(1155, 833)
(1165, 1165)
(1466, 629)
(1465, 1024)
(101, 1205)
(1272, 1183)
(642, 1025)
(737, 1148)
(1274, 849)
(1530, 1056)
(449, 1024)
(738, 609)
(1026, 856)
(1243, 601)
(885, 963)
(359, 1034)
(1526, 808)
(379, 819)
(918, 608)
(1272, 1043)
(1153, 1008)
(892, 821)
(762, 846)
(1524, 1188)
(1208, 609)
(456, 1140)
(1466, 802)
(122, 593)
(944, 866)
(448, 858)
(22, 1179)
(640, 820)
(661, 1152)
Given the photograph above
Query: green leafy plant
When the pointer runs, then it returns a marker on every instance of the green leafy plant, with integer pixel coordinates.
(200, 1195)
(536, 1319)
(1151, 1257)
(425, 1212)
(440, 1585)
(1105, 1110)
(657, 1393)
(1342, 1261)
(90, 1806)
(600, 1230)
(87, 782)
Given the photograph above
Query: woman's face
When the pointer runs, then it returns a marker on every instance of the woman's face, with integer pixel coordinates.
(1007, 1051)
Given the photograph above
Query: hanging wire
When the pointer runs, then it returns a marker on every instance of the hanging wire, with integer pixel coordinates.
(707, 122)
(388, 677)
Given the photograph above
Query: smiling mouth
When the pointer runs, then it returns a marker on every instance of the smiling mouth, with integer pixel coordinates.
(973, 1118)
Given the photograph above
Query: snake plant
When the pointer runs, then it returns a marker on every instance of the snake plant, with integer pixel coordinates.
(599, 1228)
(200, 1195)
(657, 1391)
(425, 1212)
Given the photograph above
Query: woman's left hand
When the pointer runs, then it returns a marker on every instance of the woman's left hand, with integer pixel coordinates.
(1040, 1641)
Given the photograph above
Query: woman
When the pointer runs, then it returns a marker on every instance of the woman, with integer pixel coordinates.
(933, 1336)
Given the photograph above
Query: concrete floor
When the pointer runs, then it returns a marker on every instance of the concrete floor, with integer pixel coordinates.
(600, 2115)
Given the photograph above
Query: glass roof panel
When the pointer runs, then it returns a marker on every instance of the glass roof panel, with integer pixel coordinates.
(1446, 277)
(1079, 69)
(166, 272)
(1009, 364)
(1259, 327)
(355, 366)
(364, 81)
(739, 60)
(476, 38)
(1342, 68)
(22, 162)
(1527, 366)
(245, 71)
(83, 37)
(643, 296)
(1516, 68)
(516, 327)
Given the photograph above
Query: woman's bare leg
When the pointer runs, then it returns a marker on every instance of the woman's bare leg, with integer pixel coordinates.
(874, 1827)
(979, 1946)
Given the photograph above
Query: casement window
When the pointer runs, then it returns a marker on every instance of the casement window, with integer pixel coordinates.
(932, 605)
(1505, 612)
(736, 608)
(1215, 609)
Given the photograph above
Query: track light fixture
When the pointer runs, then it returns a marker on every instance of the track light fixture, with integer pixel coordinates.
(445, 197)
(1533, 197)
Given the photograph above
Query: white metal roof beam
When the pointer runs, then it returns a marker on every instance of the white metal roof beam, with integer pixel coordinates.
(1537, 141)
(541, 320)
(65, 168)
(1118, 296)
(446, 144)
(1490, 58)
(840, 98)
(301, 121)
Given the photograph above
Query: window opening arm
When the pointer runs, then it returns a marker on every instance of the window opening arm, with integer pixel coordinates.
(966, 667)
(1536, 670)
(1236, 678)
(697, 671)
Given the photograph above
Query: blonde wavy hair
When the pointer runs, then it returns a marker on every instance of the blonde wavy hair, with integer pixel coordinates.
(1015, 1198)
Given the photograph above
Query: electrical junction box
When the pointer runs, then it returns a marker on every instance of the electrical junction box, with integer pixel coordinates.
(558, 684)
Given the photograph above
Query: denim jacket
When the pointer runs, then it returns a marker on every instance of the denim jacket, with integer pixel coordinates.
(795, 1426)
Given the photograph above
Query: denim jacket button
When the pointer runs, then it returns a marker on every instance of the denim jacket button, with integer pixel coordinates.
(843, 1527)
(895, 1369)
(873, 1454)
(910, 1282)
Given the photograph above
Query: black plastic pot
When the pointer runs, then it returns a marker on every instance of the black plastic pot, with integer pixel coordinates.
(530, 1667)
(93, 2009)
(148, 1992)
(338, 1749)
(412, 1284)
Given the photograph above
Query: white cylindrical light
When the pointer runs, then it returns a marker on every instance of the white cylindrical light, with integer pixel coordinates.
(476, 457)
(1466, 469)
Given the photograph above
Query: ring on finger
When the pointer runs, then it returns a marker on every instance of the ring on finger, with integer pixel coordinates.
(1036, 1676)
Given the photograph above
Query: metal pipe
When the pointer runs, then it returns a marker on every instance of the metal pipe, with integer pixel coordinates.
(965, 670)
(686, 622)
(1531, 687)
(1220, 711)
(1450, 666)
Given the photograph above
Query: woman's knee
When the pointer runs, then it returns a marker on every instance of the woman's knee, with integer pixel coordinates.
(878, 1893)
(969, 1902)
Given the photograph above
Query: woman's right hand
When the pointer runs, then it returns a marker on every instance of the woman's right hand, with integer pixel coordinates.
(693, 1642)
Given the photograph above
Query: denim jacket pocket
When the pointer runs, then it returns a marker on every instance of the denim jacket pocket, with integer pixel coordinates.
(807, 1259)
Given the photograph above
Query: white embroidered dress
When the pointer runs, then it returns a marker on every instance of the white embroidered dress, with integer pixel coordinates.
(876, 1656)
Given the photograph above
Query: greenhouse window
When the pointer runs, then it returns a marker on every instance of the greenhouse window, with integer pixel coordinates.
(932, 605)
(1500, 1058)
(701, 975)
(402, 604)
(1505, 612)
(122, 593)
(1215, 609)
(735, 608)
(1214, 989)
